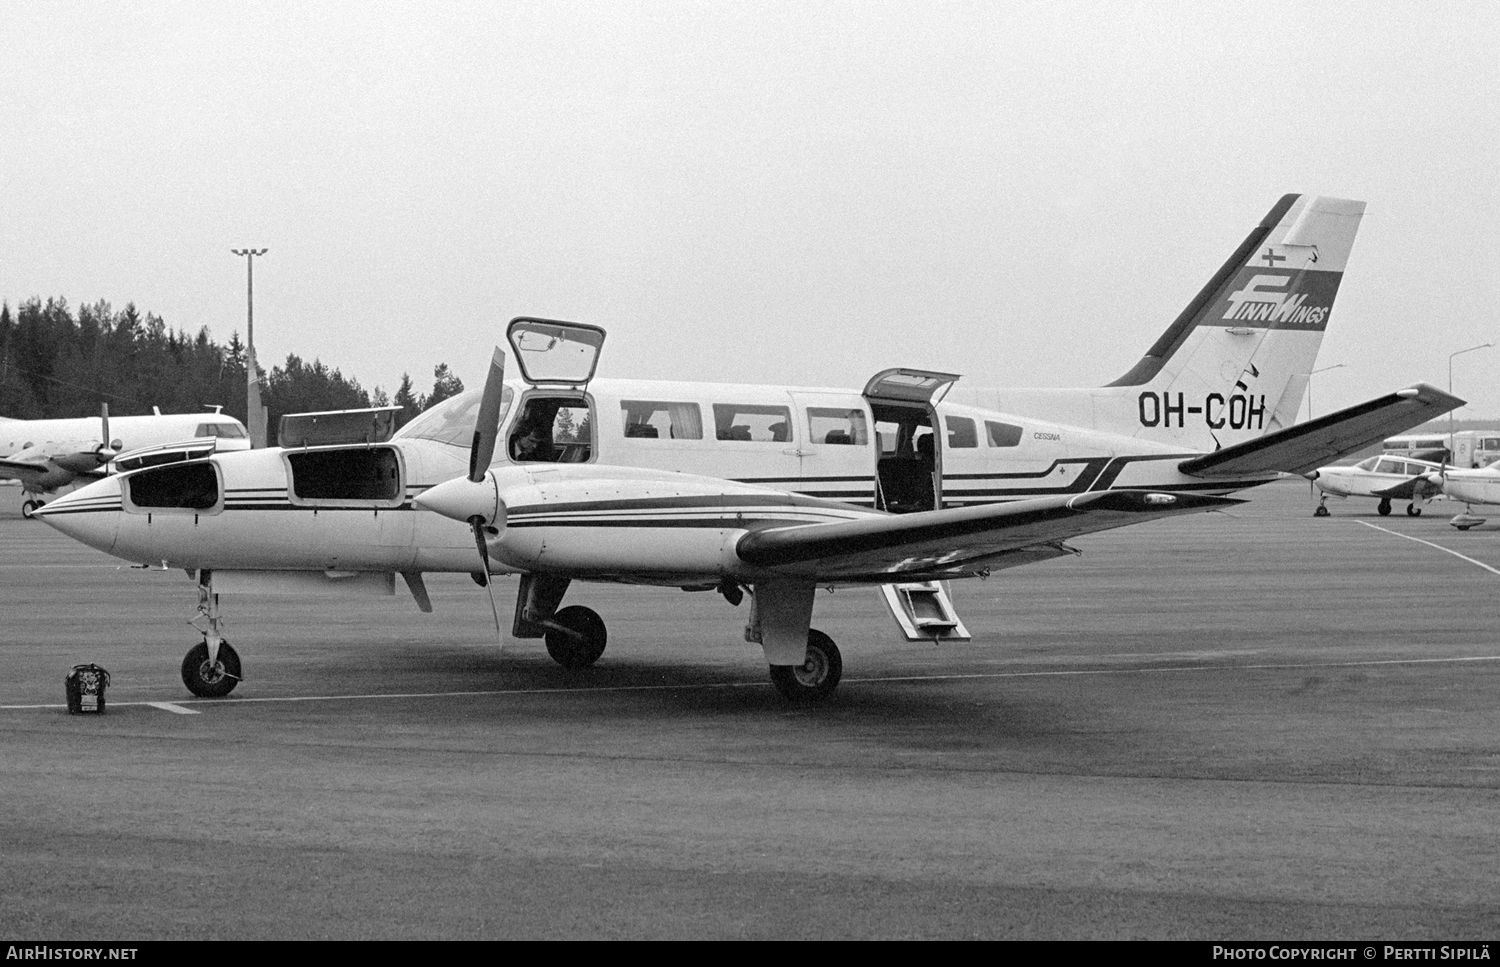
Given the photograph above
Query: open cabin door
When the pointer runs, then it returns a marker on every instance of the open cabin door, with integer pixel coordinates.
(555, 422)
(910, 469)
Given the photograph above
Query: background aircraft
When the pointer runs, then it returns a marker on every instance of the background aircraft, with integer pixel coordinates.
(1474, 486)
(1384, 478)
(774, 490)
(47, 454)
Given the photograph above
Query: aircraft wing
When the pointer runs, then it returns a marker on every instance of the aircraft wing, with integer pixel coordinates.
(1417, 488)
(26, 471)
(957, 541)
(1317, 443)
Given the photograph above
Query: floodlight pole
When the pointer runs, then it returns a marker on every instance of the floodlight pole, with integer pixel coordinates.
(254, 412)
(1309, 384)
(1450, 387)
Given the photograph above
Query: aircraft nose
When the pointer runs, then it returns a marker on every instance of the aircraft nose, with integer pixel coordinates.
(462, 499)
(89, 515)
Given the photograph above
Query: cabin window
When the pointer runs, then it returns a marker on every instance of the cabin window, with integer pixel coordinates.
(362, 474)
(837, 427)
(661, 420)
(961, 432)
(553, 429)
(1002, 434)
(1390, 466)
(758, 424)
(180, 486)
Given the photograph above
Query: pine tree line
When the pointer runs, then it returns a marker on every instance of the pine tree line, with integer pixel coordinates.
(58, 363)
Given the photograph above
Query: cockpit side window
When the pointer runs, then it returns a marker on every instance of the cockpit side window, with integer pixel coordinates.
(553, 429)
(179, 486)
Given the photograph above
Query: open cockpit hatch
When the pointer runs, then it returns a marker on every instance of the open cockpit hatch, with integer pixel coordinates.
(555, 421)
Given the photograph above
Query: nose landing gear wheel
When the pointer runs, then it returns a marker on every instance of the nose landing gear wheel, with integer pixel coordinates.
(586, 643)
(214, 680)
(1322, 511)
(29, 508)
(814, 679)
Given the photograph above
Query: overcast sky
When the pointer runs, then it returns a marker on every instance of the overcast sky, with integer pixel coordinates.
(803, 193)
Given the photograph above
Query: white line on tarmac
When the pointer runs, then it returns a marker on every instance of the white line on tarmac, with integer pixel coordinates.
(965, 676)
(1430, 544)
(173, 707)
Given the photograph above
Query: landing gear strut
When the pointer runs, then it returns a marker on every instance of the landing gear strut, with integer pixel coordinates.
(814, 679)
(211, 668)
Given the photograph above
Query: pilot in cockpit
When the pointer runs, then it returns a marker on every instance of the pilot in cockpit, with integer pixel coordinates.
(530, 442)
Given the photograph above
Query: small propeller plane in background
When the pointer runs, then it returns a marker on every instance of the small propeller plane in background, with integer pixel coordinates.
(1384, 478)
(45, 455)
(1472, 486)
(765, 491)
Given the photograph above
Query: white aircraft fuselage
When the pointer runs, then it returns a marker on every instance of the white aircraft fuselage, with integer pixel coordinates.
(263, 515)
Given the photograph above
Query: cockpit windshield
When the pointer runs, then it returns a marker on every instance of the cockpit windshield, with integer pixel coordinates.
(452, 421)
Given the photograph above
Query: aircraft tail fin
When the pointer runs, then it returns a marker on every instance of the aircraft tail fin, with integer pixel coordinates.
(1234, 363)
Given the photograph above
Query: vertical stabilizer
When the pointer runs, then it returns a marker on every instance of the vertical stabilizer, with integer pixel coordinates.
(1234, 364)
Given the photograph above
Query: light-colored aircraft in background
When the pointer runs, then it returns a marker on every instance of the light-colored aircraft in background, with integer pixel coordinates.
(45, 455)
(1473, 486)
(767, 490)
(1383, 478)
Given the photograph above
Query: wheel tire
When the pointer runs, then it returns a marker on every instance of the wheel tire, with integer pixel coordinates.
(1412, 510)
(1321, 511)
(210, 681)
(814, 679)
(29, 508)
(1384, 510)
(571, 652)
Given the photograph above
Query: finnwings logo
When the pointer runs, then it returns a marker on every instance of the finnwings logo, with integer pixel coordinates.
(1259, 301)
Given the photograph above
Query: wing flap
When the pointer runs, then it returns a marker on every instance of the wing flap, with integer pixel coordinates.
(1317, 443)
(960, 540)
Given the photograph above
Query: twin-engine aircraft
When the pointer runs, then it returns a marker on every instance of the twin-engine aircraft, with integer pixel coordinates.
(770, 491)
(47, 454)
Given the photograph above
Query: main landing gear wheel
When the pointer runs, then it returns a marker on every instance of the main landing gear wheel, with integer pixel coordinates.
(214, 680)
(1384, 510)
(586, 643)
(29, 509)
(1412, 510)
(814, 679)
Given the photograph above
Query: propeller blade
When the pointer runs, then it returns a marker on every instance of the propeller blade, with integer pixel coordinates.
(477, 523)
(487, 427)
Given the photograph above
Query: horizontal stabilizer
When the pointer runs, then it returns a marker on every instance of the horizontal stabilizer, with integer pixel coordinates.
(957, 541)
(1316, 443)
